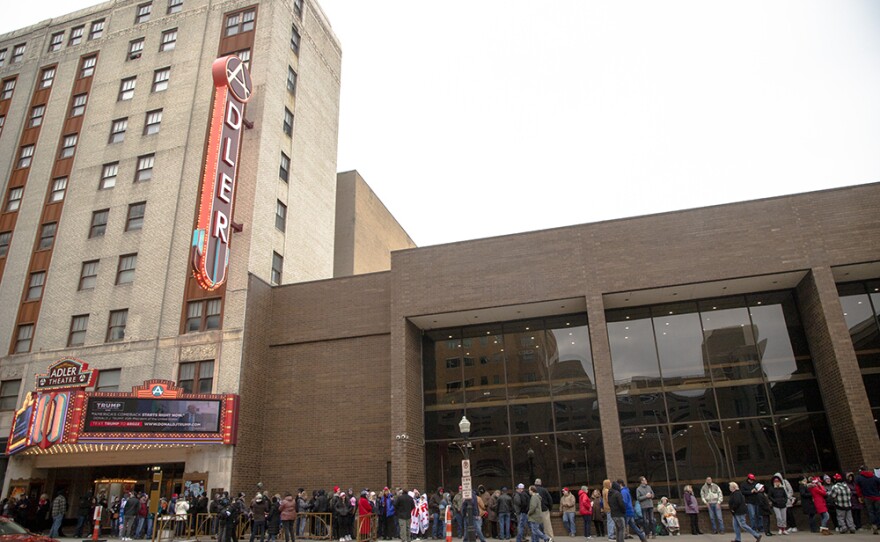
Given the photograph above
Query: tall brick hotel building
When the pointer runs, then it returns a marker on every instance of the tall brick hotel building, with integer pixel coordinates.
(330, 350)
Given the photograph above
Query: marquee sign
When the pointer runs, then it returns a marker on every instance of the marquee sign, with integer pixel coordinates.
(155, 412)
(211, 238)
(66, 373)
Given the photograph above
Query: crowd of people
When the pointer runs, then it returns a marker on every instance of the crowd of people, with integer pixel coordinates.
(831, 502)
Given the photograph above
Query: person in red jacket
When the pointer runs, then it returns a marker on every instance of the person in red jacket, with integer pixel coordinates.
(585, 509)
(817, 491)
(365, 508)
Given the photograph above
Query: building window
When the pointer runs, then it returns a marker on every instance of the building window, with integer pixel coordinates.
(18, 53)
(125, 270)
(116, 325)
(126, 88)
(56, 41)
(160, 79)
(298, 8)
(88, 277)
(108, 176)
(245, 56)
(284, 169)
(35, 286)
(25, 156)
(47, 235)
(47, 77)
(196, 376)
(88, 66)
(144, 171)
(175, 6)
(142, 14)
(5, 239)
(294, 39)
(78, 327)
(152, 122)
(108, 380)
(36, 116)
(291, 80)
(277, 268)
(169, 40)
(135, 48)
(117, 130)
(287, 126)
(9, 392)
(99, 223)
(202, 315)
(280, 216)
(8, 88)
(79, 105)
(135, 220)
(97, 29)
(13, 201)
(59, 187)
(68, 146)
(23, 337)
(237, 23)
(76, 35)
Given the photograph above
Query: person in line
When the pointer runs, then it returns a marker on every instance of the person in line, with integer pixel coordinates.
(712, 497)
(585, 509)
(645, 497)
(567, 505)
(739, 509)
(536, 516)
(843, 504)
(692, 509)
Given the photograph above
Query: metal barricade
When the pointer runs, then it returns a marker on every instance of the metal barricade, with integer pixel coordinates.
(316, 526)
(367, 528)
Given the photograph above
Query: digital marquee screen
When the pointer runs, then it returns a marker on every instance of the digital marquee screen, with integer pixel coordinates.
(130, 415)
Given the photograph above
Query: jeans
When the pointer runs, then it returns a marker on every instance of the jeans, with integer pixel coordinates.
(739, 525)
(522, 521)
(612, 525)
(715, 518)
(56, 525)
(537, 532)
(504, 525)
(754, 517)
(478, 527)
(437, 531)
(568, 522)
(631, 522)
(587, 520)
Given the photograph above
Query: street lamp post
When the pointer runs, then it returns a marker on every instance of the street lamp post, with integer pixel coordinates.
(464, 426)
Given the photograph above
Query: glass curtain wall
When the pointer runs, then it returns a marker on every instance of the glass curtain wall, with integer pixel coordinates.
(528, 389)
(719, 387)
(861, 309)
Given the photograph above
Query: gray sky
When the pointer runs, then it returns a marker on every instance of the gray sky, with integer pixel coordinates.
(479, 118)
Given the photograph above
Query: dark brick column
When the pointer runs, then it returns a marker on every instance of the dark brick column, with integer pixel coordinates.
(605, 388)
(846, 402)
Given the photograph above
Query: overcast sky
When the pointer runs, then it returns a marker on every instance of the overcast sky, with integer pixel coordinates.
(478, 118)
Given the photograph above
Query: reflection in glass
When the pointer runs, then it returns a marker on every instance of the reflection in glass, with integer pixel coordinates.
(698, 449)
(753, 447)
(633, 352)
(807, 444)
(680, 344)
(794, 396)
(646, 452)
(581, 458)
(535, 457)
(742, 401)
(691, 405)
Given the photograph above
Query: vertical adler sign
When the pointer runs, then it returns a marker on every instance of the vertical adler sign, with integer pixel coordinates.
(210, 243)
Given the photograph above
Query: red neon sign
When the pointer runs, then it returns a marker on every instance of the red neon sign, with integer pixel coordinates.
(210, 242)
